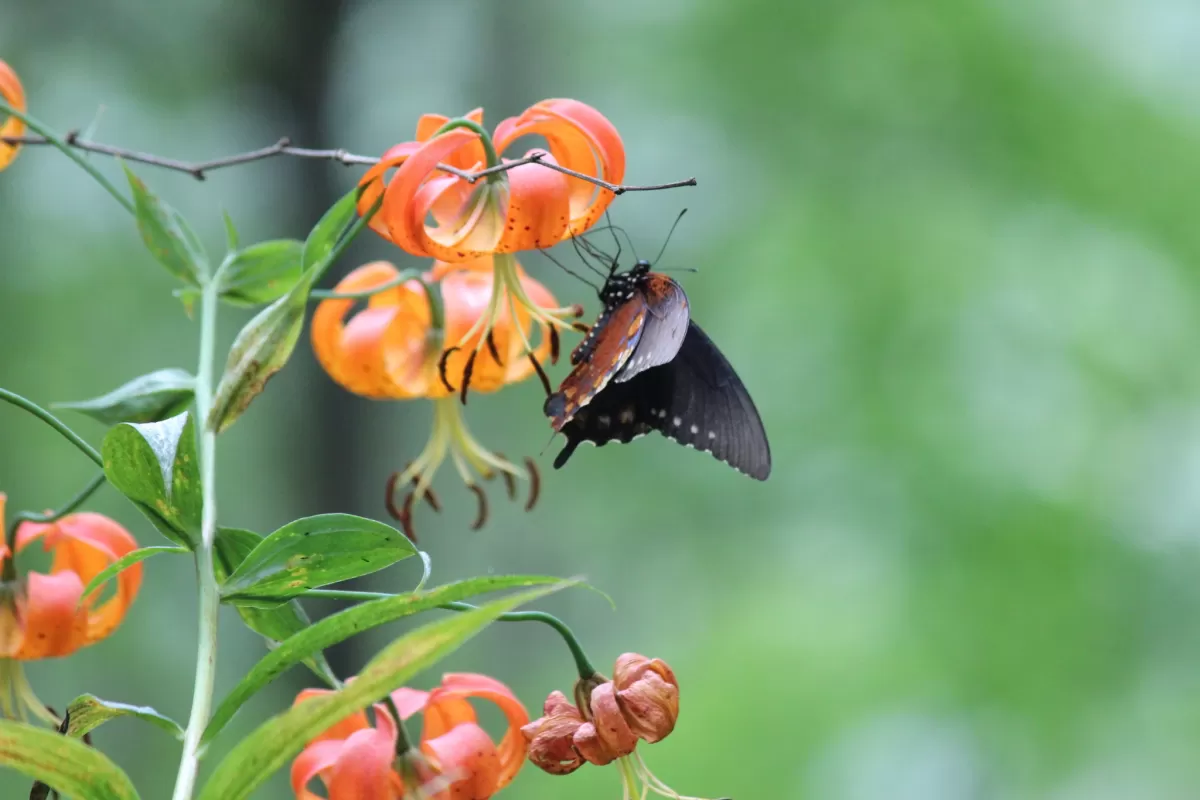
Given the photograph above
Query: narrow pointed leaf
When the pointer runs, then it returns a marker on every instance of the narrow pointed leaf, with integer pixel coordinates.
(280, 738)
(354, 620)
(262, 273)
(149, 398)
(231, 234)
(64, 764)
(316, 551)
(330, 229)
(260, 350)
(155, 465)
(88, 712)
(275, 624)
(125, 562)
(166, 234)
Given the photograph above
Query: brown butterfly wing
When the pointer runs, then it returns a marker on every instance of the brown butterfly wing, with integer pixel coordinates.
(612, 340)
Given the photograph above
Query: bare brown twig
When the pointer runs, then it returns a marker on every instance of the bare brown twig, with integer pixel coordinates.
(283, 147)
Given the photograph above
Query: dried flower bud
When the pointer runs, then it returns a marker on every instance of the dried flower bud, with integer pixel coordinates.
(607, 736)
(551, 737)
(648, 694)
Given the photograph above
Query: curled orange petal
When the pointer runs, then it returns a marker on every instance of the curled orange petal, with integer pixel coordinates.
(580, 138)
(404, 218)
(467, 756)
(381, 351)
(363, 768)
(538, 209)
(14, 94)
(467, 158)
(55, 622)
(511, 751)
(551, 737)
(315, 759)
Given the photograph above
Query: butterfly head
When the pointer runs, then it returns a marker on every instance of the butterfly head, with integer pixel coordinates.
(620, 286)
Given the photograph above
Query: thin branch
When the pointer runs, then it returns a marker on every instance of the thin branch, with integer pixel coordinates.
(283, 147)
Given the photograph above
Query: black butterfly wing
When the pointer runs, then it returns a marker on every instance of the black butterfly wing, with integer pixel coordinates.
(664, 329)
(696, 399)
(620, 413)
(705, 405)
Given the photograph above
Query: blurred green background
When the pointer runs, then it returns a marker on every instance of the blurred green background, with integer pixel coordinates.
(951, 248)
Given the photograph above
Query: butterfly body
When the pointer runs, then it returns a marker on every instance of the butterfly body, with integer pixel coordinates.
(645, 366)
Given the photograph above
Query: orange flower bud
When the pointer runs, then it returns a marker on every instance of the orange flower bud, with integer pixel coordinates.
(14, 94)
(648, 695)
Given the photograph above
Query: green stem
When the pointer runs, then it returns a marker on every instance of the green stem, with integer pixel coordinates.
(206, 651)
(34, 516)
(339, 248)
(489, 149)
(70, 153)
(586, 670)
(403, 745)
(329, 294)
(54, 422)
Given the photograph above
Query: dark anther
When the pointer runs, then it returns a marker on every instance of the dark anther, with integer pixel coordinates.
(491, 343)
(467, 370)
(483, 506)
(579, 326)
(432, 499)
(553, 345)
(442, 367)
(535, 483)
(541, 374)
(403, 514)
(576, 310)
(510, 483)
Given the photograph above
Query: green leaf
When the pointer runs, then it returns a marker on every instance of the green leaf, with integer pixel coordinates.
(88, 712)
(316, 551)
(329, 230)
(262, 272)
(66, 765)
(125, 562)
(275, 624)
(260, 350)
(149, 398)
(155, 465)
(167, 235)
(276, 741)
(354, 620)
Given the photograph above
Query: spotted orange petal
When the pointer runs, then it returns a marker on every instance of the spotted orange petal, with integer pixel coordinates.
(467, 756)
(55, 622)
(581, 139)
(458, 687)
(468, 157)
(363, 768)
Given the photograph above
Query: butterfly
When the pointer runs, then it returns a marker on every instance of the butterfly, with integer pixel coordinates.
(645, 366)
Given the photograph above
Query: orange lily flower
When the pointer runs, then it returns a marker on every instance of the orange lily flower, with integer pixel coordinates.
(391, 349)
(53, 618)
(13, 93)
(528, 207)
(47, 616)
(355, 761)
(640, 702)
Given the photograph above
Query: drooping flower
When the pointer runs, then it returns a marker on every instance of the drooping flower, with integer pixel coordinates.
(47, 615)
(394, 349)
(53, 618)
(357, 761)
(431, 212)
(528, 207)
(14, 94)
(606, 721)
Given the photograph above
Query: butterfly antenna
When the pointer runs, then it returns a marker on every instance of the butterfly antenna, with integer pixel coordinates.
(613, 230)
(673, 225)
(568, 270)
(581, 249)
